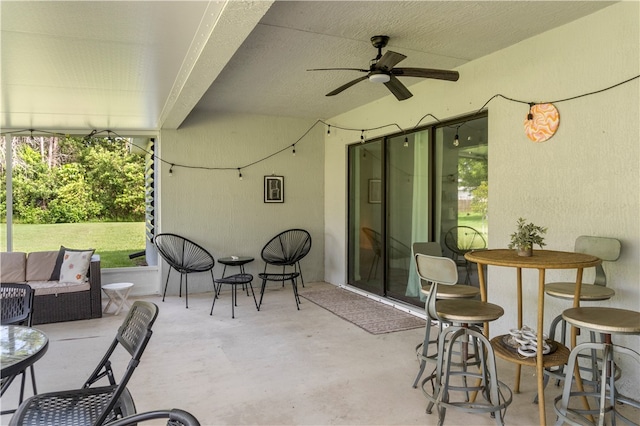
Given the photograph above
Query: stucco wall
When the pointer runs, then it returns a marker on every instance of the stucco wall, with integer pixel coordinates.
(227, 215)
(583, 181)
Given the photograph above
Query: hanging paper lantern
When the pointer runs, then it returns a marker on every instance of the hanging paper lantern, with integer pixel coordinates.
(542, 122)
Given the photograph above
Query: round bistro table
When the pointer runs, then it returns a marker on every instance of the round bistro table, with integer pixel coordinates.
(21, 347)
(541, 260)
(239, 261)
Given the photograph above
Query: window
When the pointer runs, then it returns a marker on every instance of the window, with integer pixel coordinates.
(79, 192)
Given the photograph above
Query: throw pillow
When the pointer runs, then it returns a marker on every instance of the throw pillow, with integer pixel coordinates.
(75, 265)
(55, 275)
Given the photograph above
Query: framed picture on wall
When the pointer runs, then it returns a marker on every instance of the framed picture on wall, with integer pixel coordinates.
(274, 189)
(375, 191)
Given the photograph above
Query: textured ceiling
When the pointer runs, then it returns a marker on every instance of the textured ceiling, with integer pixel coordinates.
(124, 65)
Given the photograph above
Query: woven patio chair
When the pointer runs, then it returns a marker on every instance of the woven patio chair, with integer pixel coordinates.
(101, 404)
(284, 251)
(176, 417)
(16, 303)
(461, 240)
(184, 256)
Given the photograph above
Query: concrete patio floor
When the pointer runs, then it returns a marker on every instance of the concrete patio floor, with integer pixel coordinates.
(278, 366)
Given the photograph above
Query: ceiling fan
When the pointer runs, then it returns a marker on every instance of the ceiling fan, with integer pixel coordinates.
(382, 70)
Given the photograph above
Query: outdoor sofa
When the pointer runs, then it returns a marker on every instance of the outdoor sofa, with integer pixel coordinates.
(74, 294)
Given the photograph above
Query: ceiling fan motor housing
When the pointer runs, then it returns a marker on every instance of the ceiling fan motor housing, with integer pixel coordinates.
(379, 41)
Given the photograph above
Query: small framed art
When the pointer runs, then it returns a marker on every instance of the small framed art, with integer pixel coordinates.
(375, 191)
(274, 189)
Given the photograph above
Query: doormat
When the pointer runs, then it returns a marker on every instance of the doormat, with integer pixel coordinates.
(368, 314)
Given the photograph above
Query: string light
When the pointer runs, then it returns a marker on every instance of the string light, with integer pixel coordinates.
(294, 149)
(406, 142)
(362, 138)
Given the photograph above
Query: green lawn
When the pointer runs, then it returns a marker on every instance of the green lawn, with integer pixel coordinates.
(475, 221)
(113, 241)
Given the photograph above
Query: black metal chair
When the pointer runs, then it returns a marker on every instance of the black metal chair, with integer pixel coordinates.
(176, 417)
(461, 240)
(96, 405)
(284, 250)
(16, 304)
(184, 256)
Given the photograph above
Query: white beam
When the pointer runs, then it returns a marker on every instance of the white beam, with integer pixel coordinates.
(222, 31)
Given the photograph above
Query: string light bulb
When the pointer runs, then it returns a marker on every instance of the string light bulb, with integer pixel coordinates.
(530, 115)
(328, 129)
(456, 138)
(406, 142)
(294, 149)
(239, 174)
(362, 136)
(171, 170)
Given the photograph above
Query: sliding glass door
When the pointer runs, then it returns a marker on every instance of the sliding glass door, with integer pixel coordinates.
(408, 188)
(407, 210)
(366, 247)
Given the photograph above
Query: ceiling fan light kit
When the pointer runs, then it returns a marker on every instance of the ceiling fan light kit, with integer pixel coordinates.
(379, 77)
(382, 70)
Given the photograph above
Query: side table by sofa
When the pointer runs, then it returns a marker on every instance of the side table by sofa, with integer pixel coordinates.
(117, 294)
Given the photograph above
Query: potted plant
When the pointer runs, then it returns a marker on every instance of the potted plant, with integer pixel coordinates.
(526, 236)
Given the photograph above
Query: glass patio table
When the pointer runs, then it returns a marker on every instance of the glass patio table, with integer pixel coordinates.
(21, 347)
(541, 260)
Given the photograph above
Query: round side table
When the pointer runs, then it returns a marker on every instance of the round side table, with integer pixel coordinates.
(234, 261)
(117, 294)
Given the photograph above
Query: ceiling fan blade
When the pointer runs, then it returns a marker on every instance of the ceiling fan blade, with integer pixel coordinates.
(389, 60)
(426, 73)
(346, 86)
(338, 69)
(398, 89)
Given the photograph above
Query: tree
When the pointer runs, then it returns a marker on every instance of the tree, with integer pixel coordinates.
(480, 201)
(472, 172)
(57, 180)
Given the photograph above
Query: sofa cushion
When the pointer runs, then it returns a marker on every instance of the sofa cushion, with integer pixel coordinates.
(12, 267)
(75, 266)
(41, 288)
(55, 275)
(40, 265)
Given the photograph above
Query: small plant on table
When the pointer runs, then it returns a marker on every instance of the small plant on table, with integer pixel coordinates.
(526, 236)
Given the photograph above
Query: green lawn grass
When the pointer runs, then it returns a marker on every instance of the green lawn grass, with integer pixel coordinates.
(113, 241)
(475, 221)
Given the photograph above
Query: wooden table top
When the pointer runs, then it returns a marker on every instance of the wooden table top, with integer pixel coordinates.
(604, 319)
(541, 259)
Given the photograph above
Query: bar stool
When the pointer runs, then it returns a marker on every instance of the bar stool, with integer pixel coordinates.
(463, 317)
(607, 249)
(449, 292)
(607, 321)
